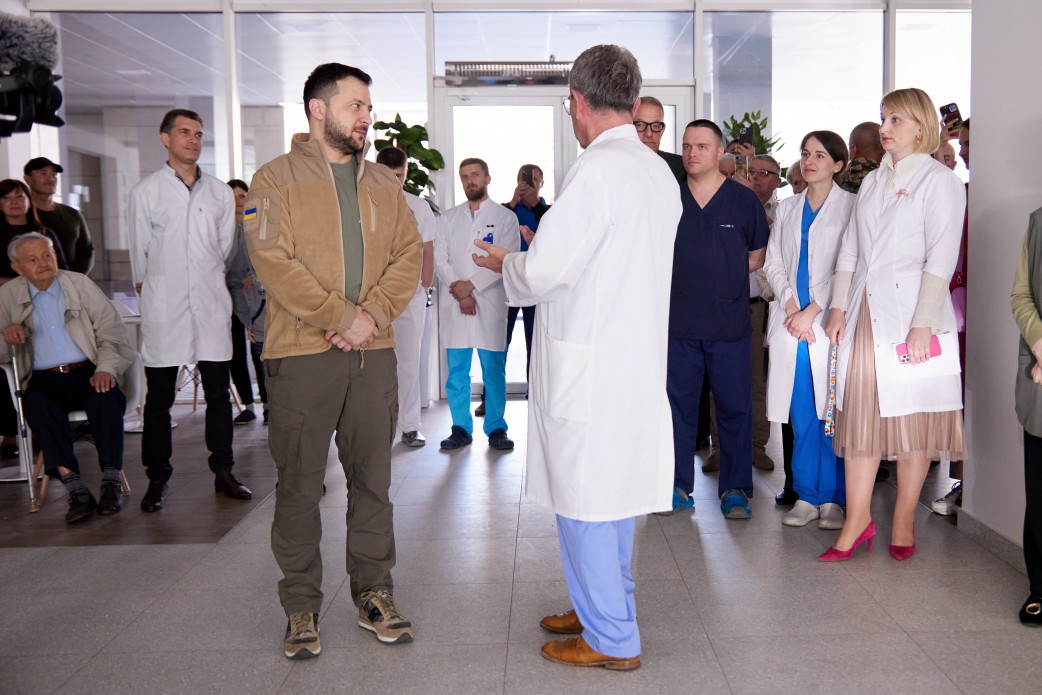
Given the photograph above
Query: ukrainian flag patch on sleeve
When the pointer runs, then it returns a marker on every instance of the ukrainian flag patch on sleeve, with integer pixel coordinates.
(249, 214)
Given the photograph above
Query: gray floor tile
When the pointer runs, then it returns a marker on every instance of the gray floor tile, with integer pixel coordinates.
(1004, 661)
(66, 622)
(452, 491)
(827, 664)
(950, 600)
(667, 666)
(149, 569)
(32, 675)
(529, 603)
(783, 552)
(453, 522)
(15, 563)
(228, 672)
(538, 560)
(536, 521)
(468, 560)
(252, 565)
(795, 605)
(461, 670)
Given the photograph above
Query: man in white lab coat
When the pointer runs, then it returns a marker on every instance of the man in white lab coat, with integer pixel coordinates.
(473, 307)
(409, 327)
(600, 272)
(182, 227)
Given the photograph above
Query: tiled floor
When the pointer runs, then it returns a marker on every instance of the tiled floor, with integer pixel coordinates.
(184, 601)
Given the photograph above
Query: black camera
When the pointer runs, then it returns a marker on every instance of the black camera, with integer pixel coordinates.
(28, 95)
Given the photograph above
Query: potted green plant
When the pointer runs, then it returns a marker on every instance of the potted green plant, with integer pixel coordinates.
(758, 123)
(412, 140)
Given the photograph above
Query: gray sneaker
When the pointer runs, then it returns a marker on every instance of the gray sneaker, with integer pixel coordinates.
(413, 439)
(377, 613)
(947, 504)
(301, 641)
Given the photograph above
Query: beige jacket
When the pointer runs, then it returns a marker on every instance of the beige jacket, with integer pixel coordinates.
(292, 227)
(90, 319)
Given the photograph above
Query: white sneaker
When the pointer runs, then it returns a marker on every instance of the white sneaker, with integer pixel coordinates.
(831, 516)
(801, 514)
(947, 504)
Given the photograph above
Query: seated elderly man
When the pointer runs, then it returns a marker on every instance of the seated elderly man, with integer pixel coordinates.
(78, 346)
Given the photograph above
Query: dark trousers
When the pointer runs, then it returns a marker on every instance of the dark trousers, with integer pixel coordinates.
(313, 397)
(49, 399)
(528, 316)
(240, 372)
(258, 365)
(704, 424)
(1033, 511)
(788, 439)
(8, 414)
(727, 364)
(156, 444)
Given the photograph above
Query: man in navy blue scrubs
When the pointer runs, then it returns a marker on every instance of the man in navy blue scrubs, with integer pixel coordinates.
(721, 238)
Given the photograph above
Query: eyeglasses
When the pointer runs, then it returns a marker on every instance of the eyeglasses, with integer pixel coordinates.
(656, 126)
(763, 173)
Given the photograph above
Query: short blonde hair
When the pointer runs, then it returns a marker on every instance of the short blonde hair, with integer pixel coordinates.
(916, 104)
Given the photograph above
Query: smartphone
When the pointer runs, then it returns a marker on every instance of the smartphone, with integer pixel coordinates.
(526, 176)
(902, 350)
(951, 119)
(741, 166)
(745, 135)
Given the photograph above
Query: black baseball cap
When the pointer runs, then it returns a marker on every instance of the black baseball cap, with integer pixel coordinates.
(38, 163)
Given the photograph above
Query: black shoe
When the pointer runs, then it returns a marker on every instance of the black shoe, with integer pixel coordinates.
(224, 483)
(786, 497)
(82, 505)
(882, 473)
(459, 438)
(111, 498)
(478, 412)
(265, 416)
(244, 417)
(155, 498)
(1031, 611)
(499, 440)
(8, 452)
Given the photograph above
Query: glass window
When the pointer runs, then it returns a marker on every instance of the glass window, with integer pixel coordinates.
(804, 71)
(122, 73)
(933, 53)
(663, 42)
(277, 52)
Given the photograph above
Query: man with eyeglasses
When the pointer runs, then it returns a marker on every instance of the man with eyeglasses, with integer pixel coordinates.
(648, 120)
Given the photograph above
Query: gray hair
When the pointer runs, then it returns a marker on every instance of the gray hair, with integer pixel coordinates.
(769, 159)
(794, 168)
(608, 77)
(23, 239)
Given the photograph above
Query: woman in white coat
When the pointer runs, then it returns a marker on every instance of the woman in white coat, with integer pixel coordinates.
(801, 258)
(898, 391)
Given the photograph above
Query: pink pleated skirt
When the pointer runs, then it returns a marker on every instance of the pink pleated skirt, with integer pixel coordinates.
(862, 432)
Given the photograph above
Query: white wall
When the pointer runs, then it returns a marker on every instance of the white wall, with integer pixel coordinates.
(1005, 188)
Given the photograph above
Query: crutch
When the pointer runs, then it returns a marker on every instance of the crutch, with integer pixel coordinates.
(25, 446)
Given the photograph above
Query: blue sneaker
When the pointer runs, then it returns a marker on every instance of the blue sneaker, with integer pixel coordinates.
(681, 501)
(735, 505)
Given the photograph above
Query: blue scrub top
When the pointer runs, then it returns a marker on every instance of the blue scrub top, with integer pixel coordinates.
(710, 295)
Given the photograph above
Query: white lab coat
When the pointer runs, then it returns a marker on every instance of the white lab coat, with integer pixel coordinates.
(780, 267)
(409, 329)
(453, 246)
(180, 241)
(600, 432)
(906, 222)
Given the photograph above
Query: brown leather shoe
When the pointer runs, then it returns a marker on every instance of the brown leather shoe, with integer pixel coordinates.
(562, 623)
(226, 484)
(762, 461)
(575, 652)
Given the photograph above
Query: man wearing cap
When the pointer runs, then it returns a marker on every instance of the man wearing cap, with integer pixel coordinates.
(41, 175)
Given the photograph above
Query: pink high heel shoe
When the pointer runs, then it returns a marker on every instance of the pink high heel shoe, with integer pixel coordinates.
(833, 555)
(902, 552)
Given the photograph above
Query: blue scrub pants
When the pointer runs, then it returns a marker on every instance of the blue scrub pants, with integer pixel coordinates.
(816, 470)
(596, 557)
(730, 380)
(457, 387)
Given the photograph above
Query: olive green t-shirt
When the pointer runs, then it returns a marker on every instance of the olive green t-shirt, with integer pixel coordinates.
(350, 226)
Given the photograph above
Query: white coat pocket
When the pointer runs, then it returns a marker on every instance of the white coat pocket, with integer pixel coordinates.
(563, 378)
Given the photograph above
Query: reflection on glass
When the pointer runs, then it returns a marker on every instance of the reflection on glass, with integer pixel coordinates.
(506, 137)
(663, 42)
(803, 70)
(933, 53)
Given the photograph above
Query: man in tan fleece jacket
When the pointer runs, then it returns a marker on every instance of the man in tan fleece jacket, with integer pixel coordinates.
(334, 243)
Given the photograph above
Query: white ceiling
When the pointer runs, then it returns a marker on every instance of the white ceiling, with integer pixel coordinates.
(150, 59)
